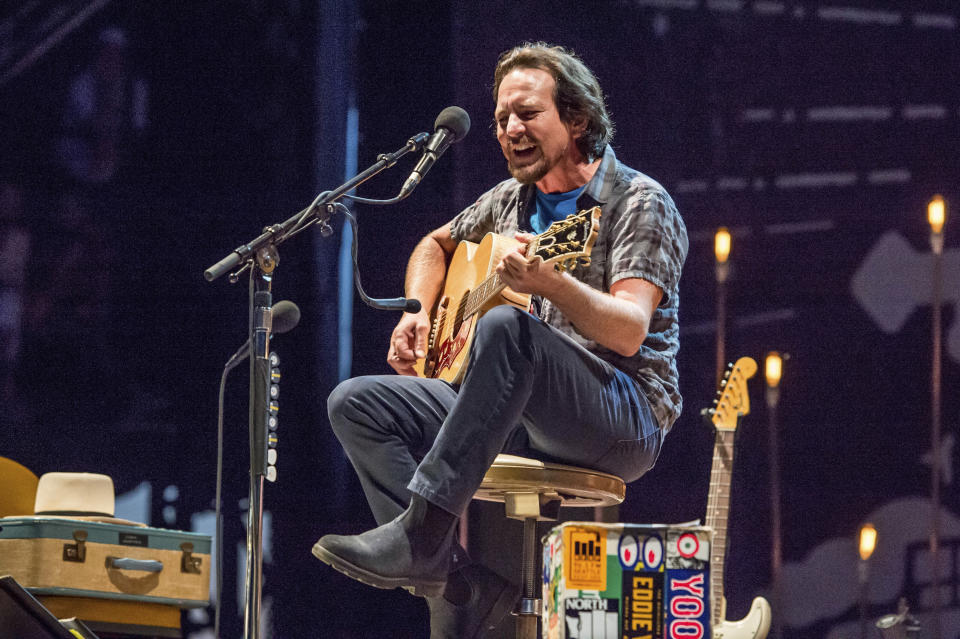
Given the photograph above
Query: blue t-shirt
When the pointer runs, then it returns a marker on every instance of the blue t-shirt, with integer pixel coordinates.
(551, 207)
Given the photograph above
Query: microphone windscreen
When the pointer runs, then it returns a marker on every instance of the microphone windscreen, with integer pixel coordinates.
(454, 119)
(286, 315)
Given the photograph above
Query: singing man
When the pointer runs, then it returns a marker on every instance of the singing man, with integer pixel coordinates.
(588, 377)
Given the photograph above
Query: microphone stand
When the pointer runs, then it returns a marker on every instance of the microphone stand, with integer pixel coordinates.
(260, 257)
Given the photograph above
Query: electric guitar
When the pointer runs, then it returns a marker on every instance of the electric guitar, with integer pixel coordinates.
(733, 403)
(473, 287)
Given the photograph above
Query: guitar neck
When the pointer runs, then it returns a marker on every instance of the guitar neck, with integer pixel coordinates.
(718, 510)
(489, 288)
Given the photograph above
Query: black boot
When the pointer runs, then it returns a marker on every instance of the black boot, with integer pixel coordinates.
(413, 551)
(474, 602)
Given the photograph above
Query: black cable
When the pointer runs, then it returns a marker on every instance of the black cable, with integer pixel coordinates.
(232, 363)
(364, 200)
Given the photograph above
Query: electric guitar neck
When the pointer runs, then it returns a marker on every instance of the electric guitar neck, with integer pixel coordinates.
(732, 403)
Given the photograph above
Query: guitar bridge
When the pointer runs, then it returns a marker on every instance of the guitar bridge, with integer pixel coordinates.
(430, 362)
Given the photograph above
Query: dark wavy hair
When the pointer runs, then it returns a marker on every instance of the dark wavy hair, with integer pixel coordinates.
(577, 93)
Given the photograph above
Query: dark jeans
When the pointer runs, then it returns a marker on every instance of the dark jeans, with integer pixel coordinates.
(529, 390)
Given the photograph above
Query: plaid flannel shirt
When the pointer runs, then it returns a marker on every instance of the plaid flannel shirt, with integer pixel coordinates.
(641, 235)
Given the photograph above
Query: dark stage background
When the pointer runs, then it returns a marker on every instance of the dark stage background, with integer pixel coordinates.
(143, 141)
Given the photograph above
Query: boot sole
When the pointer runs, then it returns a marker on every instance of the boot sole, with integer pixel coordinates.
(417, 588)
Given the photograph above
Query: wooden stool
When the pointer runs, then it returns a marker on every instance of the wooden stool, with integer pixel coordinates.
(533, 491)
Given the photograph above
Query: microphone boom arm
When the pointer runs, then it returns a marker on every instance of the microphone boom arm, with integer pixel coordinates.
(318, 211)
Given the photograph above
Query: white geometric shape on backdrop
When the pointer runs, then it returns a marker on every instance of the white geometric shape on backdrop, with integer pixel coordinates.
(894, 280)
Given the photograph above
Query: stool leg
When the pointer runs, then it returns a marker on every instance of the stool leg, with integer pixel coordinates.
(529, 611)
(526, 627)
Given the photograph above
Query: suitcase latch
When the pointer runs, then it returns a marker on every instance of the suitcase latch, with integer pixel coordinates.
(188, 563)
(76, 552)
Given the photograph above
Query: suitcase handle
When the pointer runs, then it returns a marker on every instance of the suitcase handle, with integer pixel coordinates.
(125, 563)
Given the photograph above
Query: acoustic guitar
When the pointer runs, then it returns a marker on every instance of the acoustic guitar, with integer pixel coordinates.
(472, 287)
(732, 404)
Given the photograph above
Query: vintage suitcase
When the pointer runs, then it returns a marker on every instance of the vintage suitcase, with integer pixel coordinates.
(55, 556)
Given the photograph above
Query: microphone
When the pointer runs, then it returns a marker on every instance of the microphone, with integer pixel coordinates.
(407, 305)
(285, 317)
(451, 126)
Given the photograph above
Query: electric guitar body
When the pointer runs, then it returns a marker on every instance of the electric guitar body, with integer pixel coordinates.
(472, 287)
(755, 625)
(733, 402)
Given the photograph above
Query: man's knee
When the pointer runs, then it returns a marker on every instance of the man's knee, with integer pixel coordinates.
(343, 402)
(511, 328)
(502, 320)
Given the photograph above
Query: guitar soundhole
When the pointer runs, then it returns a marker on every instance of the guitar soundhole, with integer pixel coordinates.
(461, 311)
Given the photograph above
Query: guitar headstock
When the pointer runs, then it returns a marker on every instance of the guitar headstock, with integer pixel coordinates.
(568, 242)
(733, 399)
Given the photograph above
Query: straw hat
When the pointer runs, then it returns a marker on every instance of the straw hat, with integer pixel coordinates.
(87, 496)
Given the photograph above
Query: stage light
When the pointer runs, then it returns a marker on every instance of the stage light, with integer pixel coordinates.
(721, 249)
(774, 369)
(936, 216)
(868, 541)
(937, 213)
(721, 245)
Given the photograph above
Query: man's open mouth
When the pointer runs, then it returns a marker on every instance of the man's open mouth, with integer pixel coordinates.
(524, 151)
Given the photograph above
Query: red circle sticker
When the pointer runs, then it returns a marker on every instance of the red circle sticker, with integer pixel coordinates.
(688, 545)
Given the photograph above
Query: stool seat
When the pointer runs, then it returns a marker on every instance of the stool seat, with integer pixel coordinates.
(572, 485)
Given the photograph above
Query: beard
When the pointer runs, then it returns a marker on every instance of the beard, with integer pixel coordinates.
(529, 173)
(532, 171)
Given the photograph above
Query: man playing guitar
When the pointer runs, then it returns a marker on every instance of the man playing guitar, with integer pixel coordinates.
(589, 380)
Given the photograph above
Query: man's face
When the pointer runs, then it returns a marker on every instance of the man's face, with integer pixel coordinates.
(532, 137)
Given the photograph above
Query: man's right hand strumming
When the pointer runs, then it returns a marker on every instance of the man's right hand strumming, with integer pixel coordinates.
(408, 343)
